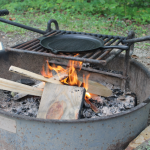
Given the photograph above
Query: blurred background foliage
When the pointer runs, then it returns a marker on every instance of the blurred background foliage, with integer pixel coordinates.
(137, 11)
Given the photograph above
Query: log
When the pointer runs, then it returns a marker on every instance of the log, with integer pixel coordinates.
(21, 95)
(61, 102)
(20, 88)
(32, 75)
(94, 87)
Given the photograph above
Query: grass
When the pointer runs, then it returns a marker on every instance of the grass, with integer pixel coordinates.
(80, 23)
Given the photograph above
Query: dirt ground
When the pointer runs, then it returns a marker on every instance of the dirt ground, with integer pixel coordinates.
(141, 50)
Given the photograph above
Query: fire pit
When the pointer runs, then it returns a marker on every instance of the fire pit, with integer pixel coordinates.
(108, 132)
(111, 132)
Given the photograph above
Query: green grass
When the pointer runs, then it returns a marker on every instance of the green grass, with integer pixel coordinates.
(80, 23)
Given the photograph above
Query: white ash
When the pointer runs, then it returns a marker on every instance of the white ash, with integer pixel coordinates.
(115, 104)
(28, 106)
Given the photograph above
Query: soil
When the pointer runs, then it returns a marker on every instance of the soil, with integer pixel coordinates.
(141, 49)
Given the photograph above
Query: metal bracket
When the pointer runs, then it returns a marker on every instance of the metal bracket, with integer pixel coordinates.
(131, 35)
(49, 29)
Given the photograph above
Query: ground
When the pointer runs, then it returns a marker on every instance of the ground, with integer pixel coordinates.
(141, 50)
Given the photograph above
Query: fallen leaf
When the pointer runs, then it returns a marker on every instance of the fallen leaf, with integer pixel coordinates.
(134, 56)
(11, 19)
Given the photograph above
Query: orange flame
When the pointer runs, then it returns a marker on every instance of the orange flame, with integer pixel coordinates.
(46, 73)
(72, 78)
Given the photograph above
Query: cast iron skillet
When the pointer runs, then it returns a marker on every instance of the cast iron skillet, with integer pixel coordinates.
(74, 43)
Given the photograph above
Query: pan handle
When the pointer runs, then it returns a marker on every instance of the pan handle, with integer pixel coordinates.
(4, 12)
(146, 38)
(117, 47)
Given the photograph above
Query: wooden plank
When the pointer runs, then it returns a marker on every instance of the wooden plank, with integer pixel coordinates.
(94, 87)
(20, 88)
(21, 95)
(97, 88)
(61, 102)
(33, 75)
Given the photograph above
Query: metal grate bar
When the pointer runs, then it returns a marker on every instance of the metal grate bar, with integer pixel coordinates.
(107, 52)
(113, 56)
(112, 41)
(100, 51)
(105, 41)
(88, 69)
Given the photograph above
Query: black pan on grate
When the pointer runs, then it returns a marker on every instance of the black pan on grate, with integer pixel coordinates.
(74, 43)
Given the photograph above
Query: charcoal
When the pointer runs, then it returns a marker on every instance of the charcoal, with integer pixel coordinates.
(111, 98)
(8, 99)
(117, 92)
(6, 92)
(87, 113)
(86, 105)
(86, 64)
(27, 81)
(121, 106)
(24, 102)
(14, 110)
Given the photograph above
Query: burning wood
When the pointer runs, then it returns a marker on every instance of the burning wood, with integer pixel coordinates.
(61, 102)
(67, 77)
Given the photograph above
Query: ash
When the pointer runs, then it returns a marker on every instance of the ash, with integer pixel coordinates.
(115, 104)
(29, 105)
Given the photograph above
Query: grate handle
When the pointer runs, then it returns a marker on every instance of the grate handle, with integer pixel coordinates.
(4, 12)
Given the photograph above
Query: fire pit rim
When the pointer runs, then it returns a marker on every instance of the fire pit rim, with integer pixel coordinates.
(141, 105)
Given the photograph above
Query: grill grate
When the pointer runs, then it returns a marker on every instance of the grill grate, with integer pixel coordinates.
(96, 56)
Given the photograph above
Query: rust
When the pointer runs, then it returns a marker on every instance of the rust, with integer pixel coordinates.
(120, 145)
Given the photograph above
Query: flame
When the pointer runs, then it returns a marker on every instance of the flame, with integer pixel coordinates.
(88, 95)
(85, 81)
(46, 73)
(72, 78)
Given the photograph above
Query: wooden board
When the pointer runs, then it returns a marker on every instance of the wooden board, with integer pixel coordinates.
(61, 102)
(94, 87)
(97, 88)
(32, 75)
(21, 95)
(20, 88)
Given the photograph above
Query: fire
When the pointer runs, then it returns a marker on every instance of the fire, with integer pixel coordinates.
(87, 95)
(71, 73)
(71, 78)
(46, 73)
